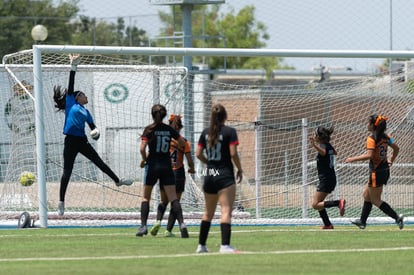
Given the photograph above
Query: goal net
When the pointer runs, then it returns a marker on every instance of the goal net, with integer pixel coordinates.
(274, 121)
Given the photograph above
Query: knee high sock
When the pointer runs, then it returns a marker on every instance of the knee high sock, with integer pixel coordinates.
(177, 210)
(324, 216)
(161, 211)
(64, 182)
(171, 221)
(204, 229)
(225, 233)
(366, 210)
(144, 212)
(387, 209)
(329, 204)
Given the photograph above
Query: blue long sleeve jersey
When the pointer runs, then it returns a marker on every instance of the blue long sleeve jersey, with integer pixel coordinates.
(75, 114)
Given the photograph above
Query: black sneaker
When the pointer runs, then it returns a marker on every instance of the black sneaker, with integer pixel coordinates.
(142, 231)
(359, 223)
(400, 221)
(184, 231)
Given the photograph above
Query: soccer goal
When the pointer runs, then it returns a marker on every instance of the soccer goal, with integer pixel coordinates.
(273, 120)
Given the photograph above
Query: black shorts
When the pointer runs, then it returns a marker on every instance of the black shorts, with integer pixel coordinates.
(326, 184)
(159, 171)
(378, 178)
(179, 180)
(217, 179)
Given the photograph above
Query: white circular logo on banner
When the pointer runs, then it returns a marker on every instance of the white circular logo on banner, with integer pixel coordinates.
(116, 93)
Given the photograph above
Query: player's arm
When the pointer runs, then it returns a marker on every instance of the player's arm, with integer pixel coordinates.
(74, 61)
(367, 156)
(236, 160)
(95, 134)
(200, 155)
(181, 142)
(395, 151)
(190, 163)
(142, 150)
(320, 148)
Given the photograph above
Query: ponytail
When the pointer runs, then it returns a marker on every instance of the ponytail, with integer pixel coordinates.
(380, 125)
(59, 96)
(158, 113)
(217, 119)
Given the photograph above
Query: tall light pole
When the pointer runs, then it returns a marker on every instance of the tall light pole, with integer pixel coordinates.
(391, 48)
(39, 33)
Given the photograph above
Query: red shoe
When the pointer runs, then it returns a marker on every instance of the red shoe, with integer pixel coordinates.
(342, 207)
(328, 227)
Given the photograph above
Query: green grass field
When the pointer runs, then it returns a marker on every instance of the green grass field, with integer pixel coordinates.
(265, 250)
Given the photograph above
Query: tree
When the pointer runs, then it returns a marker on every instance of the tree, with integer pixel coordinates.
(214, 30)
(18, 17)
(87, 31)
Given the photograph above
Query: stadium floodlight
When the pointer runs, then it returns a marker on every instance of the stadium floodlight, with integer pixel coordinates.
(39, 33)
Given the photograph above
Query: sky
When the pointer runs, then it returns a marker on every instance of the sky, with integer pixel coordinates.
(299, 24)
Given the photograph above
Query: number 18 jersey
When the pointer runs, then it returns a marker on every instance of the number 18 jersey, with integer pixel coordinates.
(218, 156)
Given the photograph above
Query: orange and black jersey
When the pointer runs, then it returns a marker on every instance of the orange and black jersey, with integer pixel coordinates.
(177, 154)
(380, 148)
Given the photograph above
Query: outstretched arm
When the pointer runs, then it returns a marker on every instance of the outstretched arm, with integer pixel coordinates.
(74, 61)
(367, 156)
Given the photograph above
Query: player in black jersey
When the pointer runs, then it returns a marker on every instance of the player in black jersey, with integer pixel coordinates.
(325, 160)
(157, 163)
(217, 148)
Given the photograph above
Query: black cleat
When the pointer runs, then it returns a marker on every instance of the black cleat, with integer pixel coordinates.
(359, 223)
(184, 231)
(142, 231)
(400, 221)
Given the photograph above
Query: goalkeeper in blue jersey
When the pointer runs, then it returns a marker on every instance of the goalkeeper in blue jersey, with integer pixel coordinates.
(76, 115)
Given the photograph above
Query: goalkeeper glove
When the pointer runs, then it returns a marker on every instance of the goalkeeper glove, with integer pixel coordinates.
(95, 134)
(74, 61)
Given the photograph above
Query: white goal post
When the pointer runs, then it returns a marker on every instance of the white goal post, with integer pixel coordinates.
(273, 126)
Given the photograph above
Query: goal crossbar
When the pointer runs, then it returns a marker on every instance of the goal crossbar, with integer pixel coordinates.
(225, 51)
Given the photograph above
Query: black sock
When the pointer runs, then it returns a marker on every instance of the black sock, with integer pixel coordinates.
(177, 210)
(387, 209)
(161, 211)
(324, 215)
(144, 212)
(329, 204)
(225, 233)
(171, 221)
(366, 210)
(204, 229)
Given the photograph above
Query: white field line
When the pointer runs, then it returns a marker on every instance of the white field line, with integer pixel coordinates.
(213, 232)
(278, 252)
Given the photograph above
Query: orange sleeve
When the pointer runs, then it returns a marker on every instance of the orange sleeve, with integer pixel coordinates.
(370, 143)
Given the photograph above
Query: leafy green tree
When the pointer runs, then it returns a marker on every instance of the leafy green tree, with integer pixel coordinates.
(212, 29)
(89, 31)
(18, 17)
